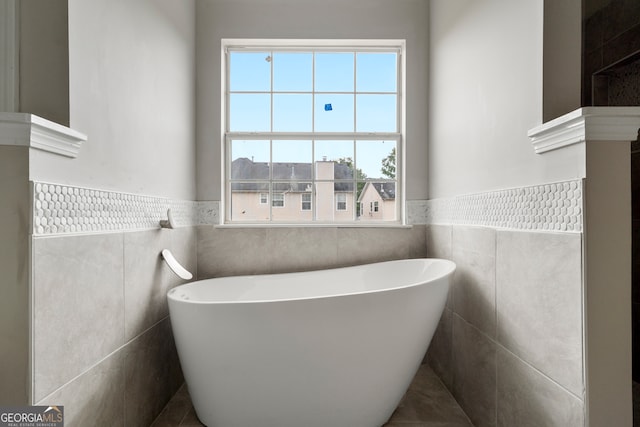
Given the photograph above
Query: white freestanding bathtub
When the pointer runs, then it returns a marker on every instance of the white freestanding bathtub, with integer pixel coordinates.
(327, 348)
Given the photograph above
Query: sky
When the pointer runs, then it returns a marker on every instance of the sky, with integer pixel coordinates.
(314, 92)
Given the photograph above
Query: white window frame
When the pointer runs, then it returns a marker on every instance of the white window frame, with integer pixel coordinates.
(265, 200)
(303, 201)
(278, 197)
(342, 196)
(305, 45)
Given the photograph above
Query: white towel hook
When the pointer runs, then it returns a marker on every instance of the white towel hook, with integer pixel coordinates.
(169, 222)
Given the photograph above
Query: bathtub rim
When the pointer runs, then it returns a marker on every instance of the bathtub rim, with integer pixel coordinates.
(450, 268)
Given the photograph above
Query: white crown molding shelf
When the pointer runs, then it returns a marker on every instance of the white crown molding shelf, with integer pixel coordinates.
(29, 130)
(586, 124)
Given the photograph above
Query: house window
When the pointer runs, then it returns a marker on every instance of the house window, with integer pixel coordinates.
(317, 116)
(374, 208)
(278, 200)
(306, 201)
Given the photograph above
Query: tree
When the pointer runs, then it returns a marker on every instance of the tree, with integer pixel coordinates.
(389, 165)
(360, 175)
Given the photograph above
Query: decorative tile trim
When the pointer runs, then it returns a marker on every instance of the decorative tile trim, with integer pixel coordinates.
(59, 209)
(547, 207)
(416, 211)
(208, 213)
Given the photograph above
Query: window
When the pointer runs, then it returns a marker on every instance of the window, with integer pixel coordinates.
(278, 200)
(306, 201)
(322, 119)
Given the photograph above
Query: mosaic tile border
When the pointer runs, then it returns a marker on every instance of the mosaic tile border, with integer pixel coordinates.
(416, 211)
(547, 207)
(59, 209)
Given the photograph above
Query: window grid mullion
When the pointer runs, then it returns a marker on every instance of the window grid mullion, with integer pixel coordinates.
(355, 179)
(355, 89)
(271, 192)
(314, 213)
(327, 136)
(271, 87)
(313, 92)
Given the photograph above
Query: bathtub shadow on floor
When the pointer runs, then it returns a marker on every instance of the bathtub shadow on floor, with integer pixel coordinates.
(427, 403)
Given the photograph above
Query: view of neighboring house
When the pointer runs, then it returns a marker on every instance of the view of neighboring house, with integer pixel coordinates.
(293, 197)
(378, 201)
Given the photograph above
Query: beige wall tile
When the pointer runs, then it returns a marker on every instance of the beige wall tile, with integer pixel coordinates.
(368, 245)
(147, 279)
(474, 372)
(231, 251)
(418, 241)
(526, 398)
(439, 355)
(539, 302)
(438, 241)
(78, 306)
(183, 244)
(237, 251)
(301, 249)
(474, 284)
(152, 374)
(96, 398)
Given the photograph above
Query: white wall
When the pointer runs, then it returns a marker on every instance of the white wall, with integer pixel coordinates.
(216, 19)
(485, 93)
(132, 91)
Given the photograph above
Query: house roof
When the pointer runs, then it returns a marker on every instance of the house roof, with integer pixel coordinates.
(386, 190)
(301, 173)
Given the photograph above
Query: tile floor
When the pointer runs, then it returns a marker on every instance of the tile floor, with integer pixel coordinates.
(427, 404)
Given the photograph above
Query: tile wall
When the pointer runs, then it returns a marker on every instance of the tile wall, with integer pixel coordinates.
(236, 251)
(102, 344)
(509, 345)
(102, 341)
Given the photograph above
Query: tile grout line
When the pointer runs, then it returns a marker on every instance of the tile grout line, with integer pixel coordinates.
(103, 359)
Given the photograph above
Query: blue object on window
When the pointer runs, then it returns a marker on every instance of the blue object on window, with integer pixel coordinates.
(327, 107)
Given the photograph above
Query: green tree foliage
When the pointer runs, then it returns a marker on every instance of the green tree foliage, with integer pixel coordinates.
(389, 165)
(360, 176)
